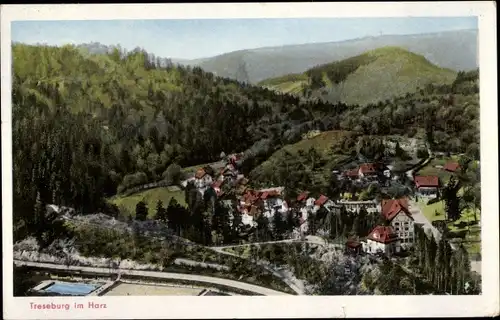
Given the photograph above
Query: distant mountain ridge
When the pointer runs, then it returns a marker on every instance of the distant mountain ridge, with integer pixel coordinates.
(455, 50)
(371, 77)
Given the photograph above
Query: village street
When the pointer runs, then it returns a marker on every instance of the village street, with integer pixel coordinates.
(420, 218)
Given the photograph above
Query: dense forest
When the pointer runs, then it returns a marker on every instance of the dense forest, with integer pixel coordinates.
(86, 125)
(449, 114)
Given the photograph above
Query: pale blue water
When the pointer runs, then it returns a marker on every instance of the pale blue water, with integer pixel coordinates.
(73, 289)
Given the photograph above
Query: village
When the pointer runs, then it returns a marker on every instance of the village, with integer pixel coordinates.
(395, 234)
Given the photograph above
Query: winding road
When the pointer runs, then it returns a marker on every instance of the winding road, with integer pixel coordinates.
(294, 283)
(157, 275)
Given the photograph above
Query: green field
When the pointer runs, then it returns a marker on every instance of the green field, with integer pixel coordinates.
(127, 204)
(473, 231)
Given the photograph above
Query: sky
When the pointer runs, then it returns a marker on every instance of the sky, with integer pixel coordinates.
(192, 39)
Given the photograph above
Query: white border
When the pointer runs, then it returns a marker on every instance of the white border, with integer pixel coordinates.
(486, 304)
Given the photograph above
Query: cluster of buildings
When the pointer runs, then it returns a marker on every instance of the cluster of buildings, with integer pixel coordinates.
(425, 185)
(399, 231)
(395, 235)
(428, 186)
(368, 172)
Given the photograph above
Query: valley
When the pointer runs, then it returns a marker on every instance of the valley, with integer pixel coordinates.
(357, 174)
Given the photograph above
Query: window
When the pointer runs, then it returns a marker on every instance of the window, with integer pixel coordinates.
(396, 224)
(406, 228)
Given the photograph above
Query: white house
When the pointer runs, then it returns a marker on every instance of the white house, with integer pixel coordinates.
(306, 206)
(248, 220)
(202, 179)
(382, 239)
(396, 212)
(217, 186)
(324, 202)
(427, 186)
(272, 201)
(355, 206)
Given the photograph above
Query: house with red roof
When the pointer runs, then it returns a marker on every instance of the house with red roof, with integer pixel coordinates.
(427, 186)
(249, 207)
(321, 201)
(368, 170)
(382, 239)
(353, 246)
(324, 202)
(305, 204)
(202, 180)
(268, 201)
(273, 201)
(451, 167)
(217, 186)
(397, 213)
(302, 196)
(352, 174)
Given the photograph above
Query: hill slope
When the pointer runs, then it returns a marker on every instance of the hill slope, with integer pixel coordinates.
(455, 50)
(374, 76)
(134, 120)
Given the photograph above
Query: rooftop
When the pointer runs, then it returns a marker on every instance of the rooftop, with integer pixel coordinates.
(451, 166)
(200, 173)
(368, 168)
(303, 196)
(426, 181)
(321, 200)
(382, 234)
(391, 208)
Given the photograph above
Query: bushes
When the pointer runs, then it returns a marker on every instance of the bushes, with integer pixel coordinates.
(173, 174)
(132, 180)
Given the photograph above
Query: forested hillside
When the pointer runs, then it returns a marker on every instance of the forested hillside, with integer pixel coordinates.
(446, 114)
(84, 124)
(374, 76)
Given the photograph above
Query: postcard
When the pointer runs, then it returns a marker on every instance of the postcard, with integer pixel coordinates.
(288, 159)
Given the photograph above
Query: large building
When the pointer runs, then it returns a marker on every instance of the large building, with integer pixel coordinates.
(427, 186)
(397, 213)
(355, 206)
(382, 240)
